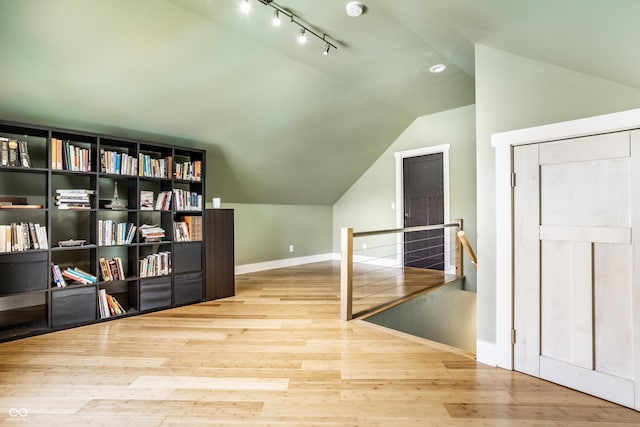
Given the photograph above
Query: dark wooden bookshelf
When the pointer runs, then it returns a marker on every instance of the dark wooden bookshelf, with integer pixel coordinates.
(30, 302)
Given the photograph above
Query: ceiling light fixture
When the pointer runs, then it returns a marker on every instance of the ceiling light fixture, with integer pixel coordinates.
(438, 68)
(276, 18)
(304, 29)
(302, 37)
(355, 8)
(245, 7)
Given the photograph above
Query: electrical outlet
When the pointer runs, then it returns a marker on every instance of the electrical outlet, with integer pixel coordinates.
(290, 248)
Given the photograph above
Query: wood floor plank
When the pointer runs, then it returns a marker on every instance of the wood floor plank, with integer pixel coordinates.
(275, 355)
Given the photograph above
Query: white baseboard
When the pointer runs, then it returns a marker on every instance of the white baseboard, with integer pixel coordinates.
(281, 263)
(486, 353)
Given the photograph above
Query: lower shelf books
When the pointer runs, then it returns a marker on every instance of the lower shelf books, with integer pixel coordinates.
(155, 264)
(111, 269)
(79, 276)
(109, 305)
(57, 277)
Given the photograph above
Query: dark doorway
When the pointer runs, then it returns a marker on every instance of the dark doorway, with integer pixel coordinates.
(424, 205)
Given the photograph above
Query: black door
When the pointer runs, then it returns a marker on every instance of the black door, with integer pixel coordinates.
(424, 205)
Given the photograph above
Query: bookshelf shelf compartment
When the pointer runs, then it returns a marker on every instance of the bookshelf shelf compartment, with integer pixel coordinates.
(106, 168)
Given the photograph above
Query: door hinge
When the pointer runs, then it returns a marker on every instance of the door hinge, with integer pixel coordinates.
(513, 179)
(513, 336)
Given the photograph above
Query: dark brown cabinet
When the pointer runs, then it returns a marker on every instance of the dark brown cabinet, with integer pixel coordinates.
(219, 258)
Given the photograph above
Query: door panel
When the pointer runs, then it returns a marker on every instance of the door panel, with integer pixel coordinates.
(582, 316)
(424, 205)
(568, 192)
(613, 309)
(566, 327)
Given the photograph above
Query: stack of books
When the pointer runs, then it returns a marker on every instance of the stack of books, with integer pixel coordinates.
(74, 198)
(80, 276)
(151, 233)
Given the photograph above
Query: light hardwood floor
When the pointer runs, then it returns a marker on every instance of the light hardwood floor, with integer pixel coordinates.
(276, 354)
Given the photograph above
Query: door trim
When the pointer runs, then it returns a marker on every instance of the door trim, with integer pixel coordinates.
(399, 205)
(503, 144)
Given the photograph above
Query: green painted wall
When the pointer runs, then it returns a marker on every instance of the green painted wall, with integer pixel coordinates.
(367, 204)
(513, 92)
(264, 232)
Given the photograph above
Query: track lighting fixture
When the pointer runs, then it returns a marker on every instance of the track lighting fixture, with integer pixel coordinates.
(276, 18)
(302, 37)
(245, 8)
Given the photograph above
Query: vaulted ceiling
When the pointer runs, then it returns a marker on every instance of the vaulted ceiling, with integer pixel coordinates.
(283, 123)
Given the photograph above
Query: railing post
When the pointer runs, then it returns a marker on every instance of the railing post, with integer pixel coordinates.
(346, 273)
(459, 262)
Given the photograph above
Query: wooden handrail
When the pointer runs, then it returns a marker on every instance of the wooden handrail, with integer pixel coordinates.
(467, 248)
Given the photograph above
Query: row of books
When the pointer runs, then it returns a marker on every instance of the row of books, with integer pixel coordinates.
(163, 202)
(56, 276)
(183, 200)
(23, 236)
(111, 269)
(187, 200)
(190, 171)
(189, 229)
(115, 233)
(75, 275)
(155, 264)
(154, 168)
(71, 157)
(14, 153)
(118, 163)
(109, 305)
(73, 199)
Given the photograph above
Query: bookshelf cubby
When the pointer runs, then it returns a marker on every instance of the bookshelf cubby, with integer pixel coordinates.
(110, 173)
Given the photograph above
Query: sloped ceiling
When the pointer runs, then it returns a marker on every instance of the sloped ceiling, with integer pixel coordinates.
(282, 122)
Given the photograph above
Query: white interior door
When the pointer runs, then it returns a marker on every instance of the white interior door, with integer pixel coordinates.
(574, 212)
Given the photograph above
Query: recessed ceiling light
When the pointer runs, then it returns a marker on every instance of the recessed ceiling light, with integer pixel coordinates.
(438, 68)
(355, 8)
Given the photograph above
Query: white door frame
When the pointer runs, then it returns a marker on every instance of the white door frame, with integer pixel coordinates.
(400, 156)
(503, 144)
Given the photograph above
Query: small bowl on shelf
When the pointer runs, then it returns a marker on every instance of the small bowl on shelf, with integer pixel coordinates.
(71, 243)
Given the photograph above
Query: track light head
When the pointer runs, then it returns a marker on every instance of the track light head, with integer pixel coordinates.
(276, 18)
(326, 49)
(245, 7)
(302, 37)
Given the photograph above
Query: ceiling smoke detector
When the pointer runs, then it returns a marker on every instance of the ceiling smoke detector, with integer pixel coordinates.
(355, 8)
